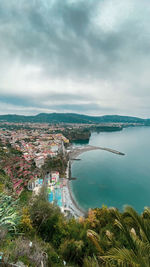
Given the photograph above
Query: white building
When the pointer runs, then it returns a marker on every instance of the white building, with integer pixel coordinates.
(54, 148)
(55, 177)
(39, 161)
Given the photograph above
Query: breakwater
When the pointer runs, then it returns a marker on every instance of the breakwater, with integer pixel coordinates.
(75, 152)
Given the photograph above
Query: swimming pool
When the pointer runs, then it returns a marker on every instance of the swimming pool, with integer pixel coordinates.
(55, 196)
(58, 197)
(40, 181)
(51, 197)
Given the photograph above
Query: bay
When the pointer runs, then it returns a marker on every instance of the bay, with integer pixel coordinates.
(104, 178)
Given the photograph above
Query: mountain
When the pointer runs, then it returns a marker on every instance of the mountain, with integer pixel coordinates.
(72, 118)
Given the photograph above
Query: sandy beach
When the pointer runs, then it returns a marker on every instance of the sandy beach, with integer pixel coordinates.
(83, 212)
(70, 203)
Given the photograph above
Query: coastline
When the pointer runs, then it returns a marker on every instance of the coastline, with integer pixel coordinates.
(73, 154)
(71, 193)
(71, 205)
(76, 205)
(83, 212)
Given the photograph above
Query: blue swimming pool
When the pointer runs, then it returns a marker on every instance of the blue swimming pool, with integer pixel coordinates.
(40, 181)
(50, 197)
(56, 196)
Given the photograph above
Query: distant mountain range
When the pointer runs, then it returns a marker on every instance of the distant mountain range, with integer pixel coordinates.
(72, 118)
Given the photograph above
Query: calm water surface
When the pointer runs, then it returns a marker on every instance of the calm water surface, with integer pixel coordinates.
(112, 180)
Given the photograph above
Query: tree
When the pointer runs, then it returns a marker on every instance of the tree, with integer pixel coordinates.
(72, 251)
(58, 163)
(137, 251)
(48, 220)
(25, 223)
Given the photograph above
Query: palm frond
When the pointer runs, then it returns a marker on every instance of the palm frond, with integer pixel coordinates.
(94, 237)
(122, 257)
(143, 225)
(123, 227)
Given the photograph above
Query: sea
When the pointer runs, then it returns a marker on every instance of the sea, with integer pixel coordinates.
(104, 178)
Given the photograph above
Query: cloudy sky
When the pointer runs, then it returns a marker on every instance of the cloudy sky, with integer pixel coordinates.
(84, 56)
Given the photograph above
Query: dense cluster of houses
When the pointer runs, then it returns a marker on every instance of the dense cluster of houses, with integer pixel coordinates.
(36, 145)
(20, 172)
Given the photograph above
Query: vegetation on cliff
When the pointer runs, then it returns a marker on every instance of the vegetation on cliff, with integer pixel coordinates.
(58, 163)
(33, 231)
(106, 237)
(82, 134)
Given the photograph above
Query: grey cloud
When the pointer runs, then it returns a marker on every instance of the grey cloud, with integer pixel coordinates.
(51, 101)
(62, 38)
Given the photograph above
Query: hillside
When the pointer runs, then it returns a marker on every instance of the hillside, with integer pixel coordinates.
(72, 118)
(34, 232)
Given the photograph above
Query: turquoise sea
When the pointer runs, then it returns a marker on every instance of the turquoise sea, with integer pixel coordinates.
(112, 180)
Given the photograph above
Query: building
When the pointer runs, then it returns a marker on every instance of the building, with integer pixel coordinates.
(55, 176)
(39, 161)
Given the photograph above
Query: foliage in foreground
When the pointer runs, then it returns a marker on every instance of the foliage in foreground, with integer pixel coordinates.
(137, 251)
(105, 237)
(9, 218)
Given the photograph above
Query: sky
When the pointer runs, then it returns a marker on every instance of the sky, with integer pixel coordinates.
(82, 56)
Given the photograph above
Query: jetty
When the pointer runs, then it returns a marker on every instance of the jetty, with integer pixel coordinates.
(75, 159)
(75, 152)
(72, 178)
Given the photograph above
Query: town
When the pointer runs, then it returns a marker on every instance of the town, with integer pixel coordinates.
(37, 153)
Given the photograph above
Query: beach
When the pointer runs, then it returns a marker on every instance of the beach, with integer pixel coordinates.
(69, 201)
